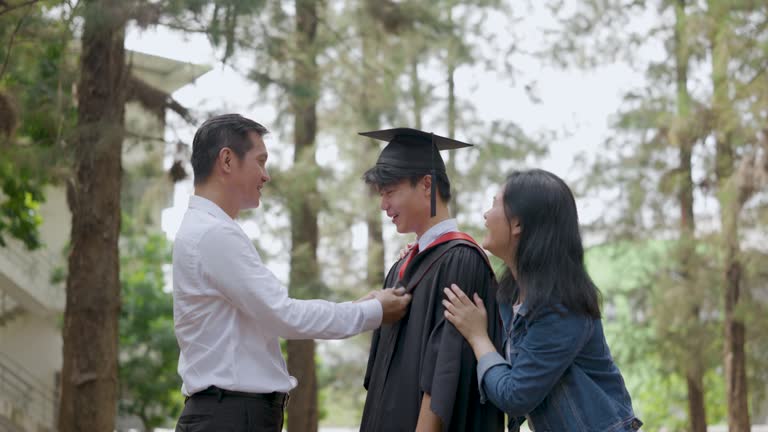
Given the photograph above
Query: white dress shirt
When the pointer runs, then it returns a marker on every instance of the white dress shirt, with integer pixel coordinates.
(432, 234)
(229, 310)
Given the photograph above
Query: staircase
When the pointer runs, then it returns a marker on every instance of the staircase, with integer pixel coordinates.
(9, 309)
(26, 276)
(26, 405)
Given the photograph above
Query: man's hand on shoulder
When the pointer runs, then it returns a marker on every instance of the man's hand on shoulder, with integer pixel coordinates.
(394, 303)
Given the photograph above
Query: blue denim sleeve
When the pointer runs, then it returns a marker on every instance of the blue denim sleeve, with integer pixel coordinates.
(546, 351)
(485, 363)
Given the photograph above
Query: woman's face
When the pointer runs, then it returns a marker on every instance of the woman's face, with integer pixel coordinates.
(502, 234)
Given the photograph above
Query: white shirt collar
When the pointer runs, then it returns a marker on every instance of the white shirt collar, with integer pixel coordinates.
(204, 204)
(432, 234)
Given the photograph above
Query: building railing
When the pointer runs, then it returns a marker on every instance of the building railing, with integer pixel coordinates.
(32, 271)
(26, 394)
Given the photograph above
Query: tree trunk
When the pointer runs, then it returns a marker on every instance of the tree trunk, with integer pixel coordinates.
(302, 411)
(730, 208)
(453, 206)
(694, 372)
(416, 96)
(370, 118)
(375, 269)
(304, 273)
(696, 407)
(735, 335)
(89, 374)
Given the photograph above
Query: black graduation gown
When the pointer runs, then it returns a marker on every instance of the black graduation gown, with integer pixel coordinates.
(425, 353)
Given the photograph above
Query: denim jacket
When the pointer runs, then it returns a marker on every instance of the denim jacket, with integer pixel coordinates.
(558, 374)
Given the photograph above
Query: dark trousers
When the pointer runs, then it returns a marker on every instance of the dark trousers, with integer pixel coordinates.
(212, 413)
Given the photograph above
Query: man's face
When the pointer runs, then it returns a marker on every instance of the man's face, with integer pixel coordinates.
(406, 205)
(249, 174)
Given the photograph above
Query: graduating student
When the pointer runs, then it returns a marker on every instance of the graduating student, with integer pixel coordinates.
(421, 372)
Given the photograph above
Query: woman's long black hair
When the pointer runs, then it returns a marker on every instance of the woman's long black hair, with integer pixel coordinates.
(550, 256)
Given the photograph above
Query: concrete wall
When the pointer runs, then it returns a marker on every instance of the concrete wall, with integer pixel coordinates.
(34, 344)
(57, 221)
(30, 361)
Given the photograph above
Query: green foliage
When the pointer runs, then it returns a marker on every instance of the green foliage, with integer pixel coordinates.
(667, 150)
(20, 205)
(149, 384)
(339, 378)
(221, 20)
(648, 334)
(37, 113)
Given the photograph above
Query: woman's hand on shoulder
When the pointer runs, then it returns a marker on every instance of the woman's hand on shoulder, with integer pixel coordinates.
(469, 317)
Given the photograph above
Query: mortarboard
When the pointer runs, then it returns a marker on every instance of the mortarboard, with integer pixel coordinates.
(414, 151)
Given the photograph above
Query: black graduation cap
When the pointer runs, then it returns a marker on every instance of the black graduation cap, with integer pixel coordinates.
(416, 151)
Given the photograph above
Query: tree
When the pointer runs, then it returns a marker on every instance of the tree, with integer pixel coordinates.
(634, 277)
(374, 48)
(90, 331)
(304, 273)
(36, 113)
(451, 34)
(364, 97)
(739, 172)
(373, 104)
(285, 52)
(687, 123)
(89, 373)
(79, 143)
(683, 138)
(149, 383)
(669, 120)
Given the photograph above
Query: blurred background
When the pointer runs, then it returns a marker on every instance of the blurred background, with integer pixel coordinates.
(654, 112)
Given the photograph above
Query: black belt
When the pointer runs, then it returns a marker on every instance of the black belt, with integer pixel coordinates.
(276, 397)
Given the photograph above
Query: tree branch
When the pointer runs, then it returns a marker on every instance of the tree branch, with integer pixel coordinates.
(130, 134)
(179, 27)
(760, 73)
(265, 79)
(155, 100)
(752, 173)
(10, 43)
(9, 8)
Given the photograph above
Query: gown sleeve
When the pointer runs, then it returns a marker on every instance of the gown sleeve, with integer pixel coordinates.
(448, 368)
(377, 333)
(371, 357)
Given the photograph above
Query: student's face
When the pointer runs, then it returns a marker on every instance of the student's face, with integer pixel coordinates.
(502, 235)
(406, 205)
(249, 174)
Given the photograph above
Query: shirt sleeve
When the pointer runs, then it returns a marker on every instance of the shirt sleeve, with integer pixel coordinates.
(548, 348)
(232, 266)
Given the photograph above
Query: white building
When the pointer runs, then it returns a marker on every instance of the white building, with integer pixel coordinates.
(31, 305)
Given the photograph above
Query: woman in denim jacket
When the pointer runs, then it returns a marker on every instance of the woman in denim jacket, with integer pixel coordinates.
(556, 370)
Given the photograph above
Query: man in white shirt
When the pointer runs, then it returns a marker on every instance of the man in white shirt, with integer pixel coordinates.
(229, 309)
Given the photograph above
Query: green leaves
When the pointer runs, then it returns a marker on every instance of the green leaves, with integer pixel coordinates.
(648, 326)
(20, 201)
(149, 384)
(36, 85)
(675, 151)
